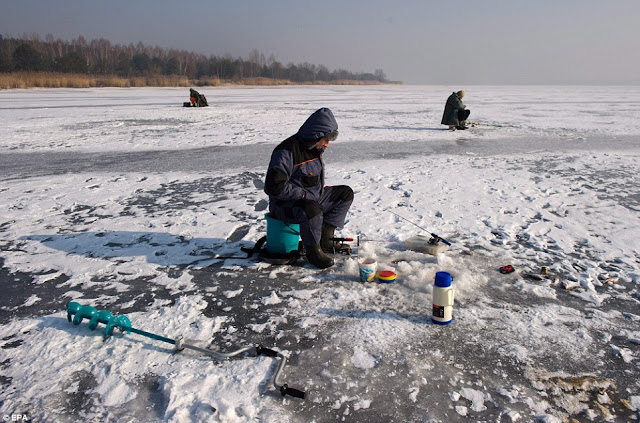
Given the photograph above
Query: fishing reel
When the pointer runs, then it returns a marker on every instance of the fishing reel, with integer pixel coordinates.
(435, 240)
(339, 247)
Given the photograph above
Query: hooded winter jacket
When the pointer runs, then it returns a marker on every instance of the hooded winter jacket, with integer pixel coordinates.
(296, 170)
(450, 115)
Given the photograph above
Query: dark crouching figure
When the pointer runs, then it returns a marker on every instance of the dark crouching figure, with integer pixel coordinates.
(455, 114)
(295, 186)
(197, 99)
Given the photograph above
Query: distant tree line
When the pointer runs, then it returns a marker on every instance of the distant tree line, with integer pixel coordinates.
(100, 57)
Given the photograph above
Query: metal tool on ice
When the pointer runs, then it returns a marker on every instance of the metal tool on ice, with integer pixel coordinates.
(123, 323)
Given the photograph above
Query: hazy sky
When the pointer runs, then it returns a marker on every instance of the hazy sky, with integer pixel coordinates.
(457, 42)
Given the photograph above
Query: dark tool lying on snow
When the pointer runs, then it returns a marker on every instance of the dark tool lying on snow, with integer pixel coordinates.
(339, 247)
(273, 258)
(283, 245)
(264, 255)
(123, 323)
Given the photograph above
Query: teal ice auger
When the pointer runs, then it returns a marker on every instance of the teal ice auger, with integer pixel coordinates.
(123, 323)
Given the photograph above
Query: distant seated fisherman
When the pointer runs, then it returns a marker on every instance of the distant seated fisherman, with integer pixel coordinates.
(295, 186)
(193, 97)
(197, 99)
(455, 113)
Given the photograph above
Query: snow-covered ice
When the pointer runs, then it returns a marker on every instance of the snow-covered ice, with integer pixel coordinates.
(121, 199)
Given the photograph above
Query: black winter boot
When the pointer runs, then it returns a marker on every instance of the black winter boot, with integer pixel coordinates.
(329, 245)
(326, 242)
(317, 257)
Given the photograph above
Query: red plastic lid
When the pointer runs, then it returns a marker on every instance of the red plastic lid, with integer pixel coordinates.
(387, 274)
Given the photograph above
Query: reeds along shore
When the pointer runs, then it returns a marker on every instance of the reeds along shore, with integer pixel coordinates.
(68, 80)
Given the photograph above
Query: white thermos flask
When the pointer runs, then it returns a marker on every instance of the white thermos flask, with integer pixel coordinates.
(442, 299)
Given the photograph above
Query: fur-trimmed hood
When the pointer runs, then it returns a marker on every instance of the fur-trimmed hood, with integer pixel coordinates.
(320, 124)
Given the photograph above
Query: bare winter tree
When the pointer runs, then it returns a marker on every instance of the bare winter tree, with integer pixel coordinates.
(254, 62)
(103, 58)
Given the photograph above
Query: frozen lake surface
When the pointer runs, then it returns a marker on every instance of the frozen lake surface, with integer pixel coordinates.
(121, 199)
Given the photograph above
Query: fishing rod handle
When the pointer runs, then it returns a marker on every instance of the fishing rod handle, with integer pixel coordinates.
(441, 239)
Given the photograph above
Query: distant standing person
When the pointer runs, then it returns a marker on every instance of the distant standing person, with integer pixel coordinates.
(455, 113)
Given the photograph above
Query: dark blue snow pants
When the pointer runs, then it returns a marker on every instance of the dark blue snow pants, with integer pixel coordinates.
(312, 215)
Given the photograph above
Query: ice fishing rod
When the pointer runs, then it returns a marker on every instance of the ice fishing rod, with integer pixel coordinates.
(436, 238)
(123, 323)
(484, 124)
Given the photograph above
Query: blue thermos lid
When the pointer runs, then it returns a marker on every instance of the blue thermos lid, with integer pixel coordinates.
(443, 279)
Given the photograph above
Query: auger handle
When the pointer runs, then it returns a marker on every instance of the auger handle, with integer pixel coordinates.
(260, 350)
(285, 390)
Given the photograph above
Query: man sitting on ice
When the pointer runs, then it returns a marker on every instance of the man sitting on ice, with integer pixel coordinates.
(197, 99)
(455, 113)
(295, 186)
